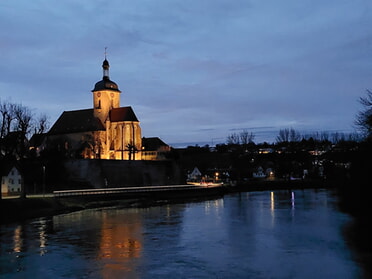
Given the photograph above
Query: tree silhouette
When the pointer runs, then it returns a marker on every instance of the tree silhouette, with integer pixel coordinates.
(364, 118)
(288, 135)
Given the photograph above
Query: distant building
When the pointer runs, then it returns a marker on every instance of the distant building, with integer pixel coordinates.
(107, 131)
(154, 149)
(195, 175)
(11, 178)
(259, 173)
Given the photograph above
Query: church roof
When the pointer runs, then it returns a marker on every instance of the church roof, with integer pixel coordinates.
(153, 144)
(123, 114)
(76, 121)
(106, 84)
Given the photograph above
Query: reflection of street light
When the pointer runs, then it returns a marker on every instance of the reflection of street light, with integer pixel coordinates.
(216, 176)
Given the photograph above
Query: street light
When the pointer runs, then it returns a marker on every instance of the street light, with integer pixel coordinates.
(216, 176)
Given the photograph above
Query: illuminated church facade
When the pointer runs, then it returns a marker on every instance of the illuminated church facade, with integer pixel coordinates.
(106, 131)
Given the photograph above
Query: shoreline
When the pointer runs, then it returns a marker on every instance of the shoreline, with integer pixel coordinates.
(17, 209)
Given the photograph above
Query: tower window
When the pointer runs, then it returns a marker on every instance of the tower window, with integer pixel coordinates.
(98, 105)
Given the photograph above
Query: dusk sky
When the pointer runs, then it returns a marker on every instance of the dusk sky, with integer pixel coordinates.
(194, 71)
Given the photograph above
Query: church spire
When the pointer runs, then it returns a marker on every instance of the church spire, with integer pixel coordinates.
(106, 83)
(105, 66)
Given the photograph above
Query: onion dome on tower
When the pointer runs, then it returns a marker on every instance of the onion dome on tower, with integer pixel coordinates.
(106, 83)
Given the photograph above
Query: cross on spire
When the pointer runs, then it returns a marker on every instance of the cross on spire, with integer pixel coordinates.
(105, 66)
(105, 52)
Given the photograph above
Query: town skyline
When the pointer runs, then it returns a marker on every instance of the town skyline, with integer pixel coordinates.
(194, 74)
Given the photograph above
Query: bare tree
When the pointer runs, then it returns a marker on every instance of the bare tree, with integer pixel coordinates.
(294, 136)
(283, 135)
(41, 124)
(19, 118)
(288, 135)
(324, 136)
(354, 137)
(364, 118)
(7, 120)
(246, 137)
(233, 139)
(23, 121)
(23, 117)
(337, 137)
(7, 117)
(16, 122)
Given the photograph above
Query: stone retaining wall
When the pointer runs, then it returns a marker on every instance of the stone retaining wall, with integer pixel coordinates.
(115, 173)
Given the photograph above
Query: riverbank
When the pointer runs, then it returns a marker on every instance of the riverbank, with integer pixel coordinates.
(21, 209)
(17, 209)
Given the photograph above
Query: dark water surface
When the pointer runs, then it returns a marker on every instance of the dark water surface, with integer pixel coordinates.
(280, 234)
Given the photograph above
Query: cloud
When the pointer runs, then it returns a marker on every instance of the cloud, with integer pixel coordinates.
(193, 70)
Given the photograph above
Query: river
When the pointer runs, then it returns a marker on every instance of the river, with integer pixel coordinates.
(279, 234)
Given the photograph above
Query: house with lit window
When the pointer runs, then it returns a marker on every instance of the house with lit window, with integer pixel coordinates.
(11, 178)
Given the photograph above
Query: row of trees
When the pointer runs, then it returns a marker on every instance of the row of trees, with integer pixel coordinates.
(363, 123)
(290, 135)
(17, 123)
(243, 138)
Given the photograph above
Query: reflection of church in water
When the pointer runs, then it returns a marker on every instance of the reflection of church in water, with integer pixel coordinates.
(107, 131)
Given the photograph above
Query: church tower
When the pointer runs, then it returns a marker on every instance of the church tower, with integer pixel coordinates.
(122, 139)
(106, 95)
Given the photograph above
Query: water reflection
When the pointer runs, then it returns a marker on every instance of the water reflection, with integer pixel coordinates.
(20, 236)
(272, 208)
(18, 239)
(43, 237)
(120, 243)
(215, 205)
(274, 234)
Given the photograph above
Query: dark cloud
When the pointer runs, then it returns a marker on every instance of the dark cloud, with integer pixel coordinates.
(197, 70)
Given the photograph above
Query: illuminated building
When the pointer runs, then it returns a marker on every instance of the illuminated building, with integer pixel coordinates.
(107, 131)
(10, 177)
(154, 149)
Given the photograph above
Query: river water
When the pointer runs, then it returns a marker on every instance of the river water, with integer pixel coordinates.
(279, 234)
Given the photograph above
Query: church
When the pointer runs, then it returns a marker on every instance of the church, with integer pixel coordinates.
(106, 131)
